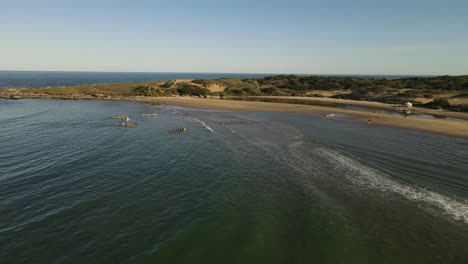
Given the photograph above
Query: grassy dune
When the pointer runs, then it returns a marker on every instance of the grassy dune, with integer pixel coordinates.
(115, 89)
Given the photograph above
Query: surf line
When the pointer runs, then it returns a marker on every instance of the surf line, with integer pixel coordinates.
(202, 124)
(205, 126)
(366, 176)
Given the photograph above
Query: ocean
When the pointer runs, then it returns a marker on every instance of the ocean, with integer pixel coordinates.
(258, 188)
(36, 79)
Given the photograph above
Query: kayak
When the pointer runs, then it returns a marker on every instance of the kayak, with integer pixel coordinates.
(120, 117)
(127, 125)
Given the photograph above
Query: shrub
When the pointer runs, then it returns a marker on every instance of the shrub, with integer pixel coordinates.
(459, 108)
(147, 91)
(170, 91)
(411, 93)
(440, 103)
(199, 81)
(235, 92)
(188, 89)
(250, 91)
(269, 90)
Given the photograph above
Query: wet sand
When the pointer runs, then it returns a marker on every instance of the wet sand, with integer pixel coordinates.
(441, 126)
(367, 104)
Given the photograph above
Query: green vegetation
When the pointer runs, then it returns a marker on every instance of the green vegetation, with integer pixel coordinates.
(193, 90)
(246, 91)
(387, 90)
(307, 83)
(441, 103)
(146, 90)
(115, 89)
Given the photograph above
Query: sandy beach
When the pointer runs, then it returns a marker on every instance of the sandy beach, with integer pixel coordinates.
(441, 126)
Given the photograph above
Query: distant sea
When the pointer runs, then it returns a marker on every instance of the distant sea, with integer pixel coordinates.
(35, 79)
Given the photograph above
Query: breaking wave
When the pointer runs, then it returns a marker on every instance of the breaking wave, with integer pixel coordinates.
(360, 174)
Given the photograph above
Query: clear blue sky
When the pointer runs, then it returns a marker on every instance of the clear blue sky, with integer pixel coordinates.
(360, 37)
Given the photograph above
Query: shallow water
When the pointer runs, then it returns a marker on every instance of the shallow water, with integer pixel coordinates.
(261, 188)
(397, 113)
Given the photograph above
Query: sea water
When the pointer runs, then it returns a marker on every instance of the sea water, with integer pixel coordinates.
(258, 188)
(36, 79)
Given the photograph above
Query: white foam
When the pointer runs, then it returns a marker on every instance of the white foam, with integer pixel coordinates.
(363, 175)
(205, 126)
(202, 124)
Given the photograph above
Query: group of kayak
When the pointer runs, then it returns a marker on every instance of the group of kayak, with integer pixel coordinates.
(120, 117)
(126, 123)
(178, 130)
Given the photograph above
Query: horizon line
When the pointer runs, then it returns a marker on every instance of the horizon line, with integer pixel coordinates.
(248, 73)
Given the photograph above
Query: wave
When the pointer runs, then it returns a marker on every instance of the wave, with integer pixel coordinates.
(202, 124)
(355, 172)
(175, 110)
(205, 126)
(366, 176)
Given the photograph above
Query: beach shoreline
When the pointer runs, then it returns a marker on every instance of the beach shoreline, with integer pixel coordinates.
(456, 128)
(327, 106)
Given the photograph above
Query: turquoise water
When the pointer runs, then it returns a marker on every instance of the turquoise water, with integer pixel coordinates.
(261, 188)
